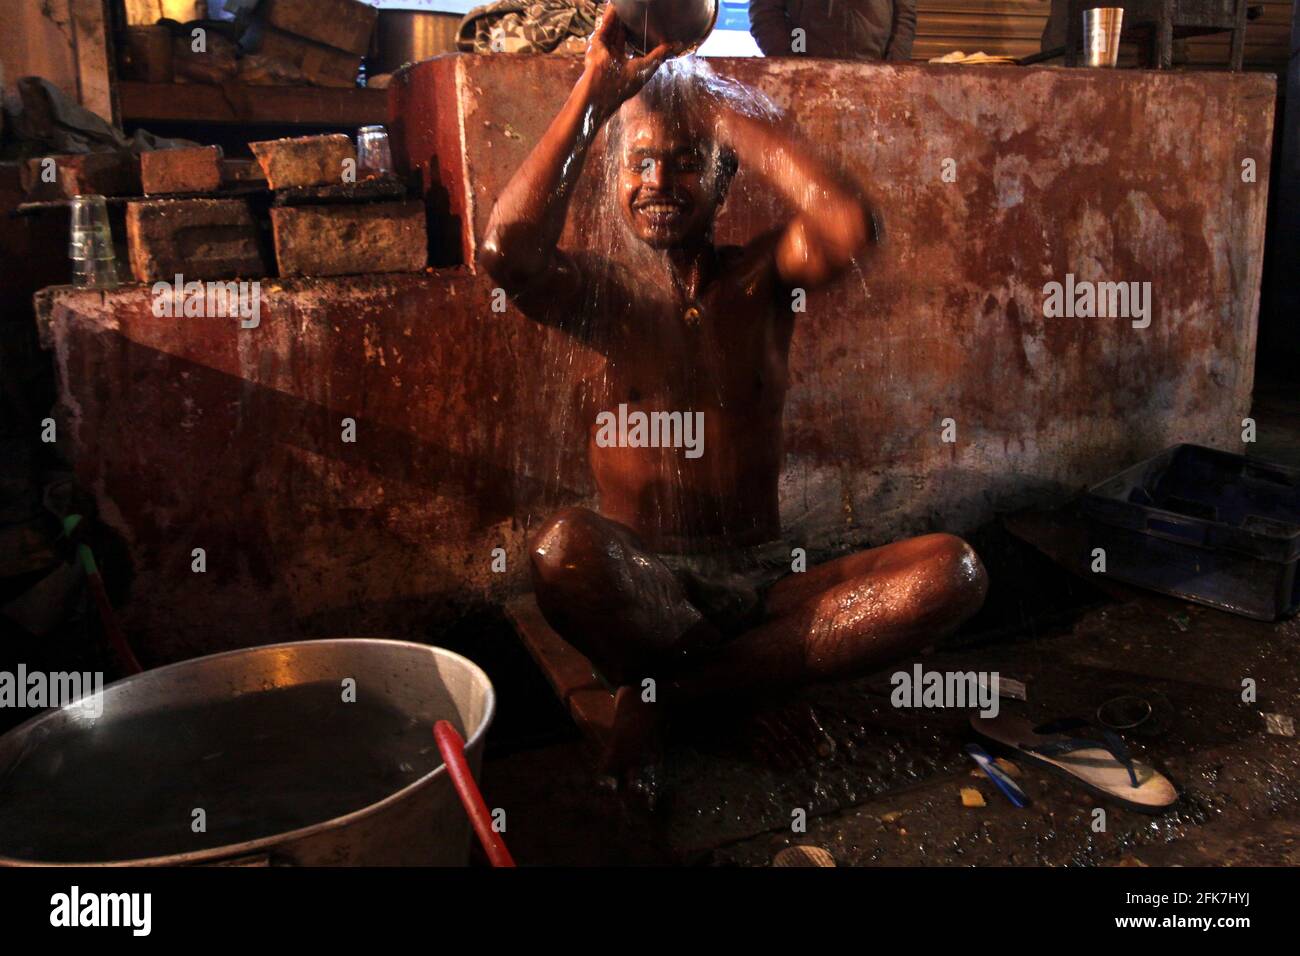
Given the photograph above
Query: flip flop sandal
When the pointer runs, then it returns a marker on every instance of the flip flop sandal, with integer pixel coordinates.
(1093, 756)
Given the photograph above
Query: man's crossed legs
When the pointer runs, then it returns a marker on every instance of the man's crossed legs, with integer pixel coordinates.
(625, 608)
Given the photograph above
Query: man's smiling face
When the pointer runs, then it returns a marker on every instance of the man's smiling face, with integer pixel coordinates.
(668, 180)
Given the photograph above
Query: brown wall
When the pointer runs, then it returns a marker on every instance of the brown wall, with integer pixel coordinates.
(194, 433)
(64, 41)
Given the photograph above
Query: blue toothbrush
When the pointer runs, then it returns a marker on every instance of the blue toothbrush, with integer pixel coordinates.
(998, 775)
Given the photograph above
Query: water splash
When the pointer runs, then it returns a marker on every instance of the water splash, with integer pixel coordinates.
(576, 384)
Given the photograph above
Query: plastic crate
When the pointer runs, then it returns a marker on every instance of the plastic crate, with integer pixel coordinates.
(1204, 525)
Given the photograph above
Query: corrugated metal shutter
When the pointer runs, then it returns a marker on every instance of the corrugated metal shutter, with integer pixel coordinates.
(1014, 27)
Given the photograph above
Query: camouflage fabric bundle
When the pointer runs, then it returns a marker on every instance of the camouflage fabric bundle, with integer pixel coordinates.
(528, 26)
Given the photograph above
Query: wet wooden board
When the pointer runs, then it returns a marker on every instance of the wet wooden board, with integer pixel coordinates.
(614, 727)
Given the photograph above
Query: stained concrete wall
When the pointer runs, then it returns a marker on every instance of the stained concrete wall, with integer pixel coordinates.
(195, 433)
(1130, 176)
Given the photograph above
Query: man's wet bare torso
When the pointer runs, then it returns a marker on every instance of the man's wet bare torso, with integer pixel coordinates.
(701, 330)
(724, 353)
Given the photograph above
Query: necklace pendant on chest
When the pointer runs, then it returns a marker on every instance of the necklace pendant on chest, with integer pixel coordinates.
(692, 315)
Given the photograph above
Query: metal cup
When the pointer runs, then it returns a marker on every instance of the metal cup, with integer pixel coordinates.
(90, 244)
(1101, 29)
(373, 152)
(651, 22)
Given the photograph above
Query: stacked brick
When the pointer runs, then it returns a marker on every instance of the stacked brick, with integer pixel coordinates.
(321, 40)
(185, 227)
(193, 213)
(330, 220)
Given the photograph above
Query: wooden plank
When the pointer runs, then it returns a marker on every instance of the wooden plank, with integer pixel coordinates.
(90, 47)
(569, 673)
(236, 103)
(620, 730)
(37, 40)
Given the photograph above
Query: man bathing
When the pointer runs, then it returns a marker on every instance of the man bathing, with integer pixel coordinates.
(683, 575)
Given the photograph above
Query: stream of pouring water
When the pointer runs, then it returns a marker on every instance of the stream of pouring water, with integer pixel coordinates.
(574, 384)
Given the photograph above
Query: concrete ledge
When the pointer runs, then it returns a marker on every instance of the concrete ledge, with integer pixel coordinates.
(196, 433)
(1105, 175)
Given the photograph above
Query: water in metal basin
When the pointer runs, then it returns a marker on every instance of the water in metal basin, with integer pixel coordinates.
(256, 765)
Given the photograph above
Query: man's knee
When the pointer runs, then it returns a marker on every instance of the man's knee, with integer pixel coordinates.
(956, 573)
(567, 544)
(936, 585)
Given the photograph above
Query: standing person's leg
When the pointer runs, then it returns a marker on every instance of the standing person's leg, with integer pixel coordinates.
(850, 615)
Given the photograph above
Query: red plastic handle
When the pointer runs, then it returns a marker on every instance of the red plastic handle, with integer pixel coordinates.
(452, 748)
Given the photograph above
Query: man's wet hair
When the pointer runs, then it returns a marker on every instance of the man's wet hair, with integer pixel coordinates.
(691, 93)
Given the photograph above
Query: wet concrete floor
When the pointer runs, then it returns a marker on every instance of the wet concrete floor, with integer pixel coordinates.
(886, 786)
(890, 793)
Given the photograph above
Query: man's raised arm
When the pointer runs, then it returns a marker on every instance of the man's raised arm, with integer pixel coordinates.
(834, 224)
(519, 249)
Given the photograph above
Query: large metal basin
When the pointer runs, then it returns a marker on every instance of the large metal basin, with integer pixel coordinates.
(262, 742)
